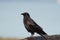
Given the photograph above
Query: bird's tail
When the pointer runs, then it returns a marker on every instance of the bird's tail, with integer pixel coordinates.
(43, 36)
(42, 32)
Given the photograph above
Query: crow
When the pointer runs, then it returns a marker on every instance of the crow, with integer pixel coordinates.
(31, 25)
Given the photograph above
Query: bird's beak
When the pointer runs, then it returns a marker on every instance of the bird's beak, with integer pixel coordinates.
(22, 13)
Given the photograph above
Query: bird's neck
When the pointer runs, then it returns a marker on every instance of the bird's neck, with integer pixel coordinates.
(26, 17)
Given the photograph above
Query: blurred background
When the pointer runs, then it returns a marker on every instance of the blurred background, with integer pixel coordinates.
(46, 13)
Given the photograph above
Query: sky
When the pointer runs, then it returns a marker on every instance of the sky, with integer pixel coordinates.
(45, 13)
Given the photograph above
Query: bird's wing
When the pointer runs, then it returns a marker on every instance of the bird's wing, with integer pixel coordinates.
(35, 27)
(33, 24)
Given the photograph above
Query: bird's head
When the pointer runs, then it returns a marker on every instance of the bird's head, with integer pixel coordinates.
(25, 13)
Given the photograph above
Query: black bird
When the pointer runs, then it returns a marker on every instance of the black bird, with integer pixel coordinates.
(31, 25)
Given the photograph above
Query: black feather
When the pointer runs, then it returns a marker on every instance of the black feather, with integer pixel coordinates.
(32, 26)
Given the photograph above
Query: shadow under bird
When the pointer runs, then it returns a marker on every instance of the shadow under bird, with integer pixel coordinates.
(31, 25)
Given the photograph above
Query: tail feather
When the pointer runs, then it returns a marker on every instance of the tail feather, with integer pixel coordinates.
(44, 37)
(43, 34)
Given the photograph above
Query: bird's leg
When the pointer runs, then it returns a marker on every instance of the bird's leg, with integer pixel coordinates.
(32, 34)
